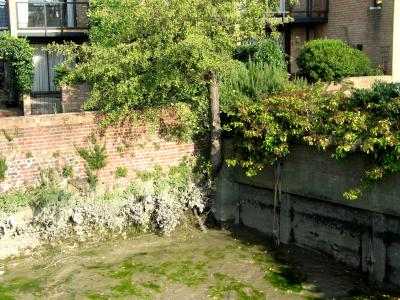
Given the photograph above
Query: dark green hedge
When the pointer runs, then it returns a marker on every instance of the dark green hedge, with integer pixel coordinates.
(332, 60)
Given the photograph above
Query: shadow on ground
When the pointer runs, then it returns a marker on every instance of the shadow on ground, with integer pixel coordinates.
(308, 272)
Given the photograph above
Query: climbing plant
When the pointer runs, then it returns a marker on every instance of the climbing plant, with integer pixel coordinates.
(367, 122)
(19, 57)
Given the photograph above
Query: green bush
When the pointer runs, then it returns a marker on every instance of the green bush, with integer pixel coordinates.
(252, 81)
(19, 56)
(268, 51)
(96, 157)
(332, 60)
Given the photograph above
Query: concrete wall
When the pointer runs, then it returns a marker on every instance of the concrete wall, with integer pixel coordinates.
(312, 213)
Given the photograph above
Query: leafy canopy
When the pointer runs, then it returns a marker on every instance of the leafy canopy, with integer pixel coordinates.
(19, 55)
(151, 53)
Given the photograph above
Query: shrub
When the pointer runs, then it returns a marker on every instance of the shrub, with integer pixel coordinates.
(268, 51)
(95, 157)
(251, 81)
(332, 60)
(19, 56)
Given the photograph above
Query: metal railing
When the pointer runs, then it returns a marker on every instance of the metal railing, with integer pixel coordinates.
(45, 103)
(4, 22)
(309, 11)
(52, 15)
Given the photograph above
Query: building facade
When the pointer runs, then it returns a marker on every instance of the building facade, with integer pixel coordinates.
(43, 22)
(372, 26)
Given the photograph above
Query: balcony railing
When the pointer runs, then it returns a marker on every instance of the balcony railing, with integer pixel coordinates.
(309, 11)
(39, 15)
(3, 15)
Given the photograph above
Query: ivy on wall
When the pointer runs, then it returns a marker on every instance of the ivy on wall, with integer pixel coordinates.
(366, 122)
(19, 57)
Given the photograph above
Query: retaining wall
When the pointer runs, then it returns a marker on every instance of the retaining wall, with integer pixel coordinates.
(312, 213)
(51, 141)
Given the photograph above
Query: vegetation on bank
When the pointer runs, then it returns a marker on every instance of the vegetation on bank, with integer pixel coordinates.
(366, 122)
(157, 201)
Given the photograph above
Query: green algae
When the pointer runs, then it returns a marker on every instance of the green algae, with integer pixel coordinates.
(285, 279)
(226, 285)
(128, 288)
(19, 285)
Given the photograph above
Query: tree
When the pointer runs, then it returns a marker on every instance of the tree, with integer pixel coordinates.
(155, 52)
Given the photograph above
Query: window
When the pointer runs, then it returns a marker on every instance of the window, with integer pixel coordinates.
(376, 3)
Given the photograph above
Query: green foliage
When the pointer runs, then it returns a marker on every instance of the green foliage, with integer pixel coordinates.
(95, 157)
(7, 135)
(332, 60)
(227, 285)
(19, 55)
(3, 167)
(11, 202)
(60, 72)
(121, 172)
(68, 171)
(150, 53)
(251, 81)
(264, 129)
(92, 178)
(366, 122)
(268, 51)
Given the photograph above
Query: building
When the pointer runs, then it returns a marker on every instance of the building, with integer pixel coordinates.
(43, 22)
(372, 26)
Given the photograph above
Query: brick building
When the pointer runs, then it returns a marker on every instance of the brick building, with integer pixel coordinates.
(372, 26)
(43, 22)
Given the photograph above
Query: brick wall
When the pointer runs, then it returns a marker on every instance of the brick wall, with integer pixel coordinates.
(72, 97)
(50, 141)
(81, 14)
(356, 24)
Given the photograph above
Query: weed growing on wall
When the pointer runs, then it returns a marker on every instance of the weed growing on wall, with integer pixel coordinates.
(68, 171)
(95, 159)
(3, 167)
(121, 172)
(7, 135)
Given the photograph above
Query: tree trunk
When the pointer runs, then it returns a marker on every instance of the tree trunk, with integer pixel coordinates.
(216, 145)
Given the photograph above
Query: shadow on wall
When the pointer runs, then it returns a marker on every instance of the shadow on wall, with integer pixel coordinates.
(363, 234)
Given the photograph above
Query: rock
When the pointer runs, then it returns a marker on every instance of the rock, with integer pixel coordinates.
(10, 222)
(3, 228)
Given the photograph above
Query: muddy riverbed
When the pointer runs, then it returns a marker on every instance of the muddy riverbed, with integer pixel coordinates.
(190, 264)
